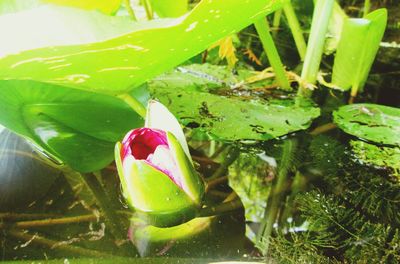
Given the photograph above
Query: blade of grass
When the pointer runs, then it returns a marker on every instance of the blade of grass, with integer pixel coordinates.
(296, 30)
(263, 31)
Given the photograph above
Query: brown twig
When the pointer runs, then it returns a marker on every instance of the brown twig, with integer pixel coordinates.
(51, 221)
(323, 129)
(215, 182)
(53, 244)
(18, 216)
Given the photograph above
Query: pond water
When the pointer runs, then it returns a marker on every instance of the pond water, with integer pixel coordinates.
(306, 197)
(316, 195)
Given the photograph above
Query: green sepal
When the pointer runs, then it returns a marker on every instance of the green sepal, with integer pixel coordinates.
(153, 195)
(191, 181)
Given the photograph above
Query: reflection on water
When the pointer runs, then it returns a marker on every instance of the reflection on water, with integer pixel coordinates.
(305, 198)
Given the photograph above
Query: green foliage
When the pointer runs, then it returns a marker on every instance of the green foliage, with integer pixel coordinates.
(376, 123)
(121, 63)
(78, 127)
(250, 119)
(51, 25)
(380, 157)
(357, 48)
(115, 62)
(106, 7)
(169, 8)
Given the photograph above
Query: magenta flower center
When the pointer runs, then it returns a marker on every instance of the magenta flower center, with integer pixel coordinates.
(151, 145)
(142, 142)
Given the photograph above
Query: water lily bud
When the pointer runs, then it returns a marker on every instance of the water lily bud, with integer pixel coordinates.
(157, 176)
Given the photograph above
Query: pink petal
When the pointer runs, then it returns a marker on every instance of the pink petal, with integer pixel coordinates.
(163, 160)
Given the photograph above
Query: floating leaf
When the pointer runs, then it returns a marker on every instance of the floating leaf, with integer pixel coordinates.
(228, 118)
(357, 49)
(78, 127)
(121, 63)
(376, 123)
(378, 156)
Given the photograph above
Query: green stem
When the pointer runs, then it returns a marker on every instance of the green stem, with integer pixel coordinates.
(148, 8)
(367, 7)
(319, 27)
(134, 104)
(233, 154)
(276, 22)
(223, 208)
(128, 7)
(276, 196)
(296, 30)
(263, 31)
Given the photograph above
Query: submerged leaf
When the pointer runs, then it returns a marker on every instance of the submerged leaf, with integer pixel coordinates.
(378, 156)
(125, 61)
(376, 123)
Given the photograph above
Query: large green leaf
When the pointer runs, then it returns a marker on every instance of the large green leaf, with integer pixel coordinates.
(227, 118)
(126, 61)
(46, 27)
(169, 8)
(357, 49)
(105, 6)
(78, 127)
(376, 123)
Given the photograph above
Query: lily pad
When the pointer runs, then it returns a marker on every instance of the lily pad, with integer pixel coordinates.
(376, 123)
(377, 156)
(125, 61)
(80, 128)
(228, 118)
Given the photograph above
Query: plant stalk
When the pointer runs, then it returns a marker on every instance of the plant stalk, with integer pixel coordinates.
(367, 7)
(128, 7)
(233, 154)
(134, 104)
(263, 31)
(148, 8)
(296, 30)
(222, 208)
(276, 22)
(276, 196)
(319, 27)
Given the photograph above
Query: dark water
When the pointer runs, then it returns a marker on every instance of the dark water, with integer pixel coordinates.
(290, 188)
